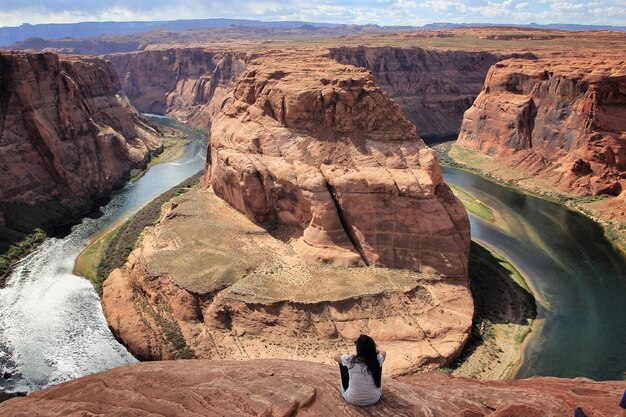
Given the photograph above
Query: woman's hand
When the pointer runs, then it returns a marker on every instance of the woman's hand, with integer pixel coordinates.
(337, 358)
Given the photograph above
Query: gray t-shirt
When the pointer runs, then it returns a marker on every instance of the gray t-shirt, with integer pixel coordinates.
(361, 390)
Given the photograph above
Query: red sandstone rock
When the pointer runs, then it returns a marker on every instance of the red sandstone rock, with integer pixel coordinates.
(317, 147)
(280, 388)
(434, 88)
(68, 136)
(190, 84)
(562, 120)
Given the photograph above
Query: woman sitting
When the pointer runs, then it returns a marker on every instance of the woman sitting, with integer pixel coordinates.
(361, 373)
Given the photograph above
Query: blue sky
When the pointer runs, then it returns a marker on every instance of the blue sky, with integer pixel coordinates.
(383, 12)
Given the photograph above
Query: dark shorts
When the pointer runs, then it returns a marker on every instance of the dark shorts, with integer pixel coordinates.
(623, 402)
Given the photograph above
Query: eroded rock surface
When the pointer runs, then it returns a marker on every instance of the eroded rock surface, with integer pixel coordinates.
(68, 136)
(207, 282)
(434, 88)
(190, 84)
(562, 121)
(280, 388)
(318, 149)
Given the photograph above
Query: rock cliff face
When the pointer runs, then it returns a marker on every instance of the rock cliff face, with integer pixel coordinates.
(280, 388)
(190, 84)
(68, 136)
(317, 148)
(434, 88)
(560, 120)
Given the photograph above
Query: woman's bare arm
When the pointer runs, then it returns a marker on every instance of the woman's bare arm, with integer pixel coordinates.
(337, 358)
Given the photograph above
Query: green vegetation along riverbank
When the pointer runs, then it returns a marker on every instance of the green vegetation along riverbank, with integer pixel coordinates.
(504, 312)
(174, 143)
(17, 251)
(474, 205)
(110, 250)
(594, 207)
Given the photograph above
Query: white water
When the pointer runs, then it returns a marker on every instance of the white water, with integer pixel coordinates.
(52, 328)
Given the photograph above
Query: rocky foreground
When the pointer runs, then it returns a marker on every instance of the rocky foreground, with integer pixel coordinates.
(68, 136)
(281, 388)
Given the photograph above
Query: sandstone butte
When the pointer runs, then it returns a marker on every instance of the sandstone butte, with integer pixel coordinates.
(169, 314)
(282, 388)
(345, 226)
(68, 136)
(559, 123)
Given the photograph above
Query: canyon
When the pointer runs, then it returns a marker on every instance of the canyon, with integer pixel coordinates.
(68, 137)
(190, 84)
(281, 388)
(434, 88)
(322, 213)
(303, 145)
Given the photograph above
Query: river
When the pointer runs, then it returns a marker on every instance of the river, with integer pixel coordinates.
(52, 328)
(579, 279)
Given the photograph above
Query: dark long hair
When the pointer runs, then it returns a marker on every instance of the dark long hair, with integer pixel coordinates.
(366, 352)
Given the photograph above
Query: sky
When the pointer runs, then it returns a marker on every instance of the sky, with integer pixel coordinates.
(382, 12)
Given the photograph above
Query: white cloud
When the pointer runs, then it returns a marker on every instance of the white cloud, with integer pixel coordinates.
(565, 6)
(384, 12)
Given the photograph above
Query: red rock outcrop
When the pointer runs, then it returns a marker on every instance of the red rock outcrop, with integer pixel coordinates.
(318, 148)
(434, 88)
(280, 388)
(560, 120)
(190, 84)
(68, 136)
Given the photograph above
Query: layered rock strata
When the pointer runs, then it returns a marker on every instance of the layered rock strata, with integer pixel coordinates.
(280, 388)
(68, 136)
(434, 88)
(558, 121)
(190, 84)
(319, 150)
(206, 282)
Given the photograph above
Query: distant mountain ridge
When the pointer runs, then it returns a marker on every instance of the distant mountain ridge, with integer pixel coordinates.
(13, 34)
(9, 35)
(555, 26)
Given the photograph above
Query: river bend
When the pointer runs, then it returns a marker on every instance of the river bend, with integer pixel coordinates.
(52, 328)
